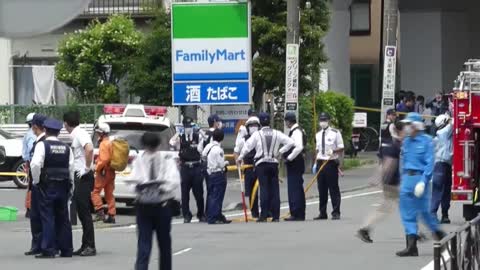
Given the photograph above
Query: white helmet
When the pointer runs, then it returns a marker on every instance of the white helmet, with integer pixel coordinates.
(102, 128)
(252, 120)
(441, 121)
(29, 118)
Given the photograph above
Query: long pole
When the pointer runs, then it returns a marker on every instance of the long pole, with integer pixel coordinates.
(293, 39)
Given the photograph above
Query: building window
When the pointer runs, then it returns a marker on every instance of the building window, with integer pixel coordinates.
(360, 15)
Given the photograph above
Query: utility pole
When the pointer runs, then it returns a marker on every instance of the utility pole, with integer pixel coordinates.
(292, 57)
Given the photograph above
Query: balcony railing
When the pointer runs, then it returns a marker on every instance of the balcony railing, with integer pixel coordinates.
(134, 8)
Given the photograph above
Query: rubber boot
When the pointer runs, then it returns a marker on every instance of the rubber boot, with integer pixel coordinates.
(411, 250)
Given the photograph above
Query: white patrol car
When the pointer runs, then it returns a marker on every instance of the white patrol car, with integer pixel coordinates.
(130, 122)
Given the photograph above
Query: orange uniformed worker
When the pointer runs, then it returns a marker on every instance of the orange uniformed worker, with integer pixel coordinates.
(104, 176)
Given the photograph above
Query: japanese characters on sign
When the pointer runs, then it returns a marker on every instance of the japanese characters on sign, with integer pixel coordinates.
(389, 72)
(291, 86)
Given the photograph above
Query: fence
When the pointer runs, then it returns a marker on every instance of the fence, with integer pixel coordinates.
(462, 247)
(130, 7)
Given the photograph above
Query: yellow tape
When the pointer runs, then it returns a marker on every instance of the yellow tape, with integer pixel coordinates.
(379, 110)
(253, 194)
(13, 174)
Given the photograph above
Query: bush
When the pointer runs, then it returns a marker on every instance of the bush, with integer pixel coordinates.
(340, 108)
(17, 114)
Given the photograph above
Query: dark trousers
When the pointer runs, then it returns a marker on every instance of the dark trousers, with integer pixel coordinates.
(441, 188)
(35, 220)
(150, 218)
(269, 189)
(57, 229)
(192, 179)
(250, 179)
(82, 200)
(296, 194)
(217, 185)
(327, 181)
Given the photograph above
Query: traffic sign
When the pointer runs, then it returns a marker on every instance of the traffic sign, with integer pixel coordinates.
(389, 72)
(211, 53)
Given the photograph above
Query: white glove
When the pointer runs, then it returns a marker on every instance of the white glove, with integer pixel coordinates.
(314, 168)
(81, 172)
(329, 152)
(419, 189)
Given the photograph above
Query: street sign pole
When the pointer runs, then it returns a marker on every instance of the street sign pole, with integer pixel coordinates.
(292, 57)
(389, 71)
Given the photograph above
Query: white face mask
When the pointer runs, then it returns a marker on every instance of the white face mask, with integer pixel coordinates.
(408, 130)
(219, 125)
(252, 130)
(323, 124)
(188, 131)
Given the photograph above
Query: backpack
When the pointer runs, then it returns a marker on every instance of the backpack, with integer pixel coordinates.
(120, 151)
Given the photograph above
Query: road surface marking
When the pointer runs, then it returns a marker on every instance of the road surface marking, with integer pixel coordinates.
(185, 250)
(445, 255)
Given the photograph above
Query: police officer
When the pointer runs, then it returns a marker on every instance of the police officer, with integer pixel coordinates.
(329, 145)
(35, 220)
(388, 134)
(27, 146)
(442, 173)
(295, 169)
(190, 170)
(242, 130)
(266, 143)
(252, 125)
(416, 171)
(52, 172)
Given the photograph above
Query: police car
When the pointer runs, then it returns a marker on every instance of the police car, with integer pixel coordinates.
(130, 122)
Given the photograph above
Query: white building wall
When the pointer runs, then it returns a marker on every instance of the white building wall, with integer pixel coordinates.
(5, 81)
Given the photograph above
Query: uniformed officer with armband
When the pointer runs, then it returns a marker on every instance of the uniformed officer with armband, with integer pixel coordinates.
(53, 174)
(295, 164)
(329, 145)
(252, 125)
(266, 143)
(190, 170)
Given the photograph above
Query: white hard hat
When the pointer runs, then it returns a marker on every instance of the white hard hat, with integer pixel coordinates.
(441, 120)
(102, 128)
(29, 118)
(252, 120)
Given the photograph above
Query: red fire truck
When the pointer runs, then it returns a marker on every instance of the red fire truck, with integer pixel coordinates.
(466, 139)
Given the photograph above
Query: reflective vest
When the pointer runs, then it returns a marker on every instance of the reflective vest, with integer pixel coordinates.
(268, 137)
(188, 149)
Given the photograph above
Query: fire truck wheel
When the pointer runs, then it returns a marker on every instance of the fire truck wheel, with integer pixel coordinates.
(470, 211)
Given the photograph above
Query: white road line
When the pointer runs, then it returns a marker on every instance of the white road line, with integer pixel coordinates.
(445, 255)
(181, 251)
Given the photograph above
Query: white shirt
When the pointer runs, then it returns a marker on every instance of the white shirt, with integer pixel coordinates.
(297, 137)
(203, 137)
(255, 142)
(80, 139)
(333, 141)
(38, 159)
(240, 140)
(213, 153)
(166, 171)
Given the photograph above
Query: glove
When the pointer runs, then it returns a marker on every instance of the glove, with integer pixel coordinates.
(419, 189)
(314, 168)
(329, 152)
(81, 172)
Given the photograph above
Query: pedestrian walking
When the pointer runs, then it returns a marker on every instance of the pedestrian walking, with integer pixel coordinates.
(329, 144)
(442, 172)
(82, 147)
(217, 180)
(267, 142)
(295, 164)
(104, 176)
(157, 180)
(27, 146)
(35, 219)
(252, 125)
(190, 170)
(52, 173)
(416, 171)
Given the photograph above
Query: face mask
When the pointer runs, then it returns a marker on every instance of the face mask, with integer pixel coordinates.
(219, 125)
(188, 131)
(408, 130)
(252, 130)
(323, 125)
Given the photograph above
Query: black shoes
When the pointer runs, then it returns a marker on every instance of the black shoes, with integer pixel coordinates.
(276, 220)
(202, 219)
(85, 252)
(218, 222)
(261, 220)
(187, 219)
(27, 213)
(364, 235)
(291, 218)
(109, 220)
(78, 252)
(445, 220)
(45, 256)
(411, 250)
(321, 217)
(32, 252)
(336, 217)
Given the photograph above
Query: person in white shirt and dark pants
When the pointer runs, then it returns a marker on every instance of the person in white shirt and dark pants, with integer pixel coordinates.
(266, 143)
(217, 181)
(295, 164)
(329, 145)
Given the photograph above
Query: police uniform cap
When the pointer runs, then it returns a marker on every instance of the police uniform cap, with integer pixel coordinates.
(213, 118)
(54, 124)
(187, 121)
(391, 111)
(38, 120)
(264, 117)
(291, 117)
(252, 112)
(324, 116)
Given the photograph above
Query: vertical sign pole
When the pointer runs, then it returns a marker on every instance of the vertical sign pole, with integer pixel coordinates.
(292, 57)
(389, 69)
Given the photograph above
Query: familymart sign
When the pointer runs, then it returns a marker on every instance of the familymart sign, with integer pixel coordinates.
(211, 53)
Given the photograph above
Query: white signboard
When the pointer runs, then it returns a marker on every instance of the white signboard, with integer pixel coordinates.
(359, 120)
(291, 86)
(238, 112)
(389, 72)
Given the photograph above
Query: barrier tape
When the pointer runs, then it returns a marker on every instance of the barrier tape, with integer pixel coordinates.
(379, 110)
(13, 174)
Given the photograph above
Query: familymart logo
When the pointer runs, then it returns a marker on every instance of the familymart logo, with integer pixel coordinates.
(209, 56)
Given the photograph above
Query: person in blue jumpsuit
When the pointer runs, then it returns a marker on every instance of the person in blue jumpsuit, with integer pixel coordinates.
(52, 173)
(417, 162)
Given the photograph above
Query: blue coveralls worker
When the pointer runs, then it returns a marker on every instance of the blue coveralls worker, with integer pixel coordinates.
(417, 162)
(266, 143)
(53, 174)
(252, 125)
(217, 180)
(190, 170)
(35, 220)
(329, 144)
(295, 164)
(442, 172)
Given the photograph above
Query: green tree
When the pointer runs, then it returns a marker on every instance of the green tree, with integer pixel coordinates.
(151, 77)
(94, 60)
(269, 42)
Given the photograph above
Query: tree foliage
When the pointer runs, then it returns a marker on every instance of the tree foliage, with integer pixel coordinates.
(94, 60)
